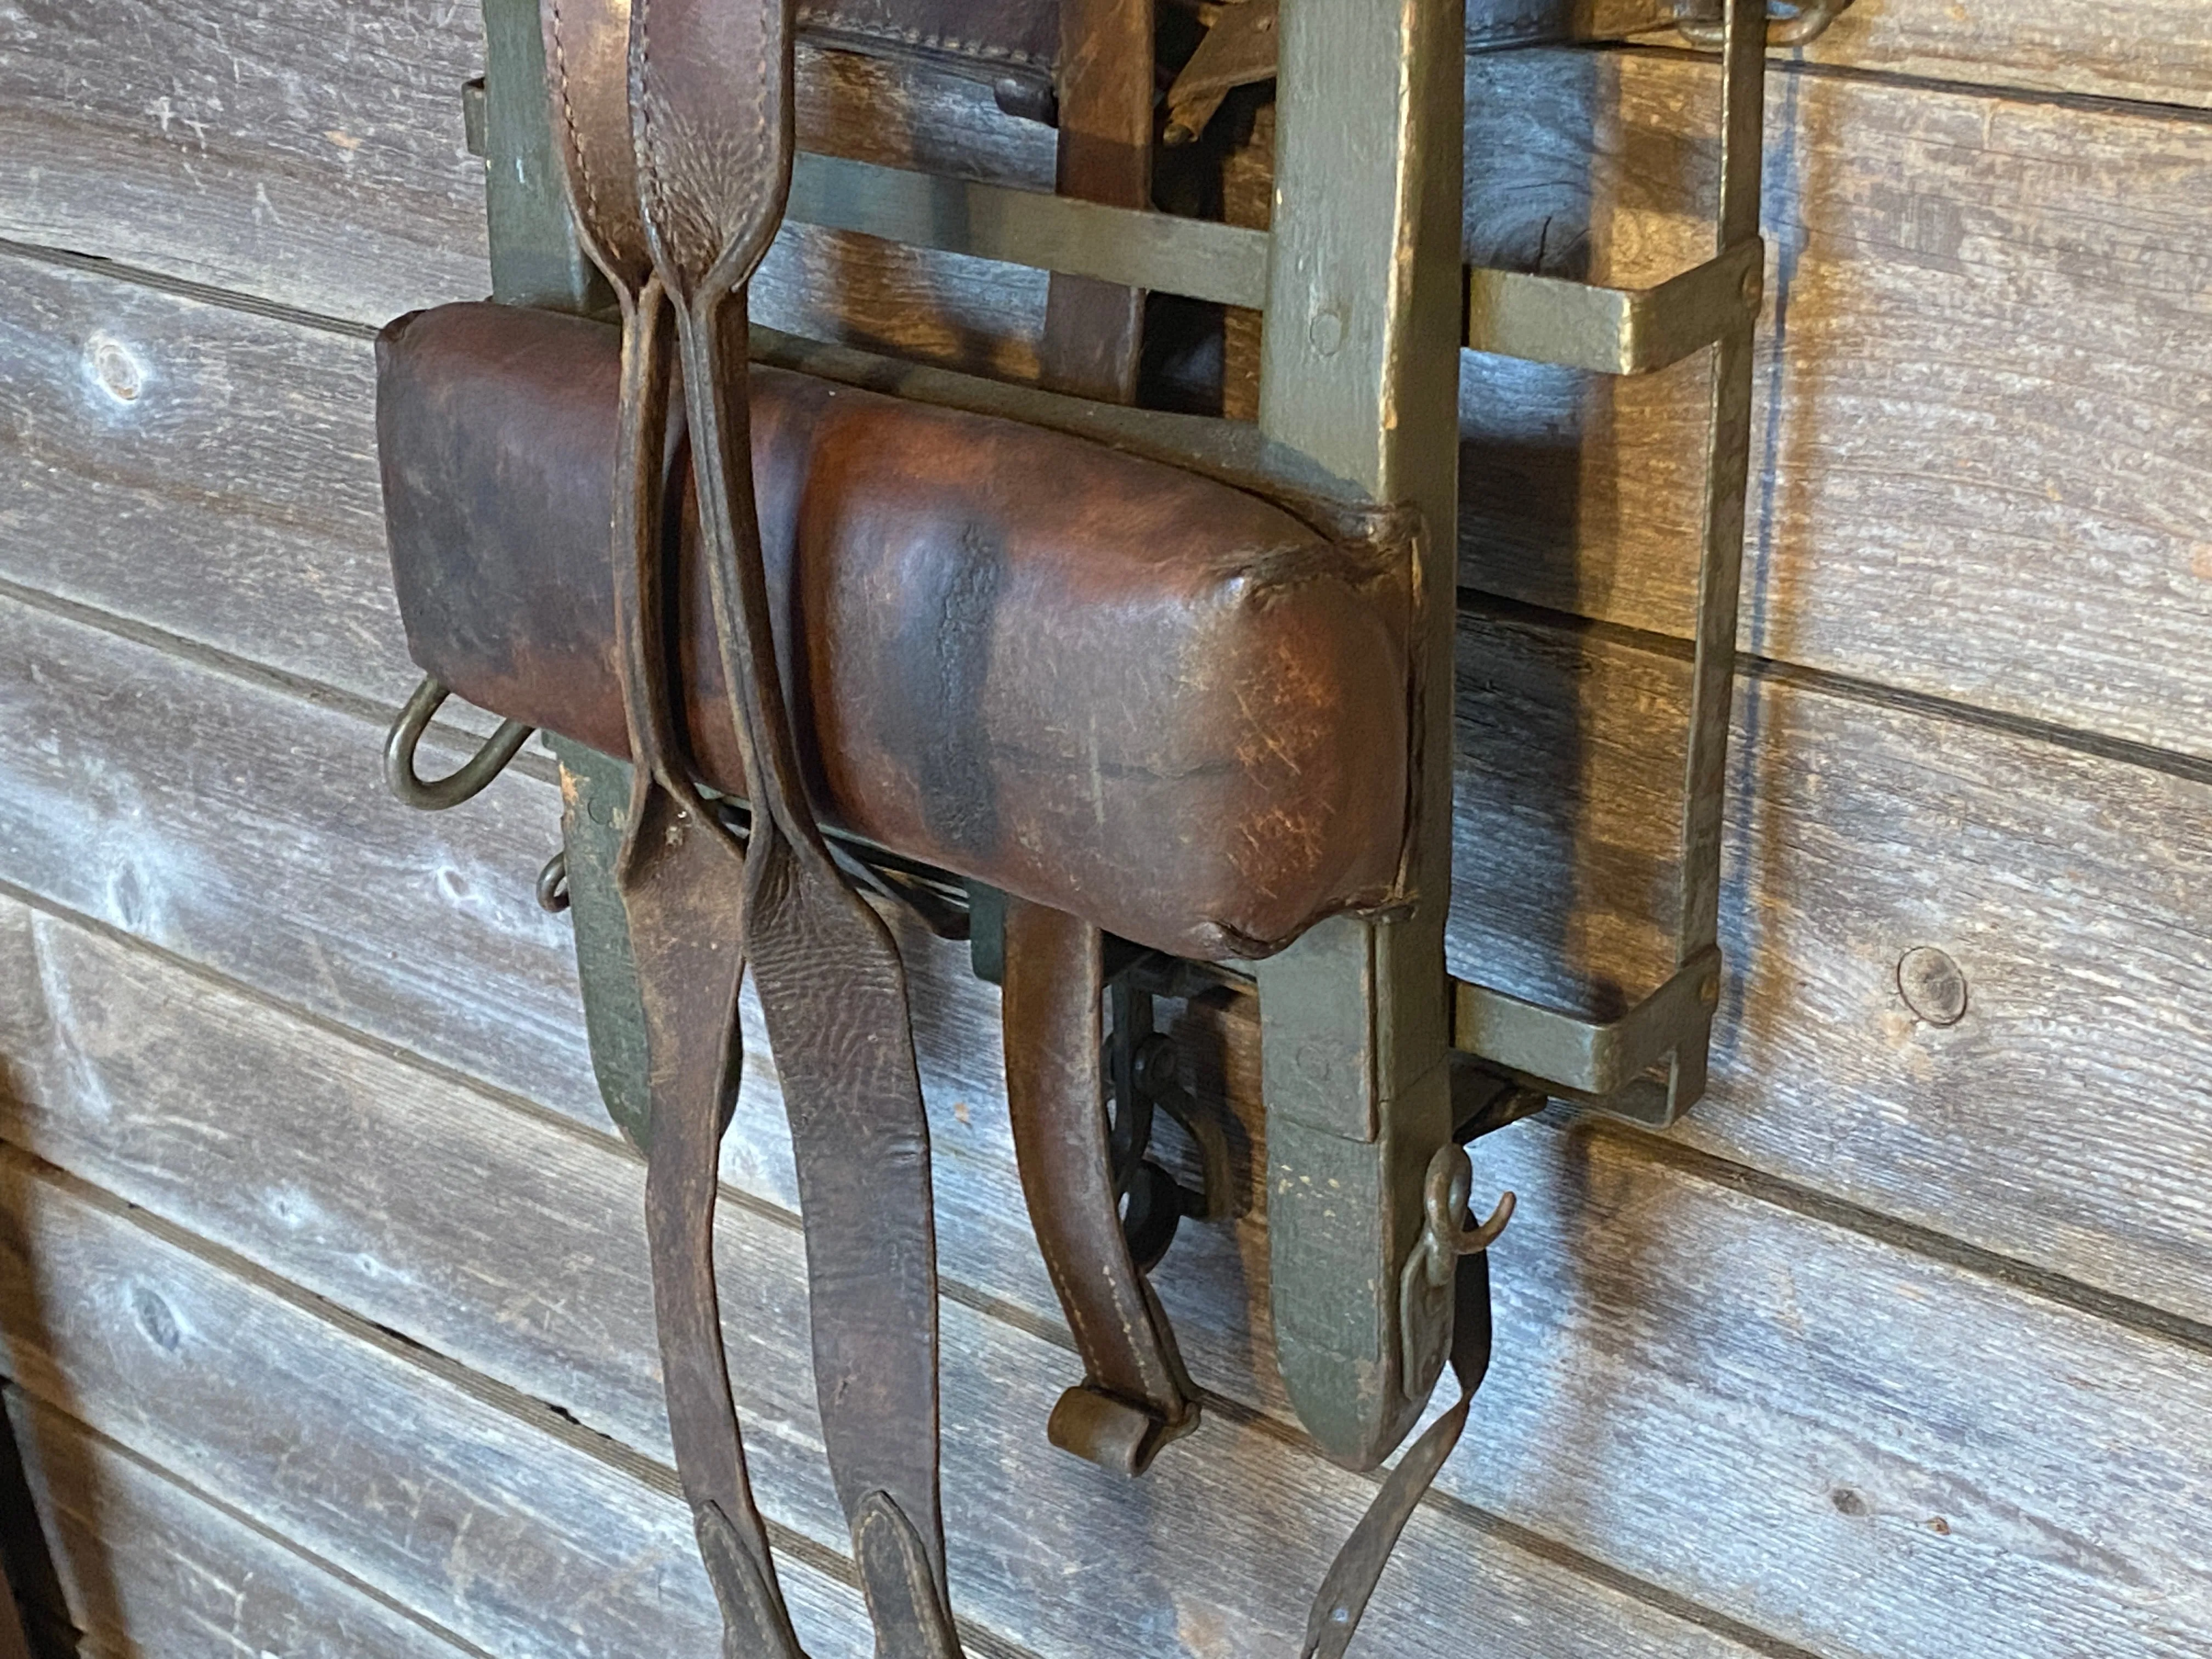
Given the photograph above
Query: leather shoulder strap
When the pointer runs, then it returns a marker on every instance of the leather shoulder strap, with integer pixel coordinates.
(678, 220)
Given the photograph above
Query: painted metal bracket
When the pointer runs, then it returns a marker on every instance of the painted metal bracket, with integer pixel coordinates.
(1199, 258)
(1615, 1067)
(1614, 330)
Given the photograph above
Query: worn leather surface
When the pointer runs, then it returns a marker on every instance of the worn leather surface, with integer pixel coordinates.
(1002, 41)
(680, 874)
(710, 90)
(1054, 992)
(1113, 688)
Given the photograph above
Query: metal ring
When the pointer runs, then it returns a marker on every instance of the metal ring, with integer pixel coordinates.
(435, 795)
(553, 883)
(1810, 23)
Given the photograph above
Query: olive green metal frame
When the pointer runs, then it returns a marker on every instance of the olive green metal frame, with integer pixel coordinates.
(1629, 331)
(1366, 304)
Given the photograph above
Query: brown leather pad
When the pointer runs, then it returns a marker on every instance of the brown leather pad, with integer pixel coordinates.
(1124, 690)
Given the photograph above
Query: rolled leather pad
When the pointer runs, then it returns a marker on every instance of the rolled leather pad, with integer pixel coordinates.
(1121, 689)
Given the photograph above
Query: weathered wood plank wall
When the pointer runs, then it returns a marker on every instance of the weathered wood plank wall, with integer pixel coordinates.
(320, 1282)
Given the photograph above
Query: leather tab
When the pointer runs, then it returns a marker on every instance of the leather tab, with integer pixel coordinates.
(755, 1624)
(905, 1600)
(1135, 1396)
(1103, 1429)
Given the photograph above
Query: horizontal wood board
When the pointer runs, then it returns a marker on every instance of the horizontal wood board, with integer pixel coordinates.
(154, 1570)
(251, 145)
(1838, 1412)
(516, 1537)
(2094, 48)
(1984, 463)
(308, 154)
(182, 1363)
(1654, 1322)
(1985, 477)
(984, 1233)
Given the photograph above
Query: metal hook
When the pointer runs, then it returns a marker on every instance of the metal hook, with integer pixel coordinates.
(553, 883)
(1425, 1285)
(436, 794)
(1447, 1237)
(1807, 24)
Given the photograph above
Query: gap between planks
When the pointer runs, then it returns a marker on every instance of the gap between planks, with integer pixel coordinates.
(540, 1416)
(443, 735)
(1834, 682)
(2087, 103)
(185, 289)
(11, 1391)
(2146, 1318)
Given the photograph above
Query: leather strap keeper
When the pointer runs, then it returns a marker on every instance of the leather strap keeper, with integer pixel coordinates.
(1118, 689)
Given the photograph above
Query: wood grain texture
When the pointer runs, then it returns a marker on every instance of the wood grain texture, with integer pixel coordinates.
(2021, 527)
(253, 145)
(2063, 1121)
(1983, 468)
(1835, 1413)
(256, 146)
(306, 153)
(205, 471)
(512, 1535)
(155, 1572)
(2100, 48)
(1822, 1437)
(1200, 1567)
(245, 831)
(233, 455)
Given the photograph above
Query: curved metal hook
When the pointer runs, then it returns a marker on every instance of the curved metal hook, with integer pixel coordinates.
(436, 794)
(553, 883)
(1425, 1282)
(1809, 23)
(1447, 1236)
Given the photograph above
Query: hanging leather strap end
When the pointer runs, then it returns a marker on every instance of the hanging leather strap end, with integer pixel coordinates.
(755, 1624)
(1117, 1435)
(905, 1598)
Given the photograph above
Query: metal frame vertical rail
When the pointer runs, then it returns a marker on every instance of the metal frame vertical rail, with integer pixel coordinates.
(1626, 331)
(1359, 372)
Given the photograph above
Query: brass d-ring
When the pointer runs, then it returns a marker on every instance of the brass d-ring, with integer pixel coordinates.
(435, 795)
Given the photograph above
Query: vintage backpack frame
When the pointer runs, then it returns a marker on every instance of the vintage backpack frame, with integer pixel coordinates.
(1374, 1059)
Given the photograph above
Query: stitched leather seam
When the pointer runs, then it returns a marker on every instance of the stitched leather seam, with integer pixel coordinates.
(576, 147)
(817, 17)
(649, 155)
(763, 159)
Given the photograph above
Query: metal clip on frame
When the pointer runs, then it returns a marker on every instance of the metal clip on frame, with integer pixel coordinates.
(1803, 22)
(437, 795)
(1366, 303)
